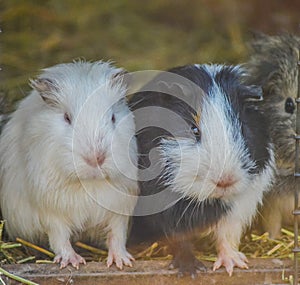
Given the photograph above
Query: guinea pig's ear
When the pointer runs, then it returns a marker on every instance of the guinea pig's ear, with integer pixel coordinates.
(258, 42)
(179, 90)
(121, 76)
(47, 89)
(252, 93)
(119, 73)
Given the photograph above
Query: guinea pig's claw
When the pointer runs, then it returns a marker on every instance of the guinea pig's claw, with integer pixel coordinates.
(237, 259)
(75, 260)
(57, 259)
(119, 259)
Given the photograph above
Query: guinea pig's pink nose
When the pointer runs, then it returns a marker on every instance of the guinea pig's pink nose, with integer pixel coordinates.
(226, 181)
(96, 160)
(100, 159)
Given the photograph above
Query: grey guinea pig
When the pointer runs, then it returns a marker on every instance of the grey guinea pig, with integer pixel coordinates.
(273, 64)
(209, 152)
(68, 159)
(3, 110)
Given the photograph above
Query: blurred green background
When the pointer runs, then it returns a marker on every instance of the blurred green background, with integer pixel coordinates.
(136, 34)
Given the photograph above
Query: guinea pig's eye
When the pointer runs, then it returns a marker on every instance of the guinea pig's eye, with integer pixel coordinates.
(289, 105)
(113, 118)
(196, 133)
(67, 118)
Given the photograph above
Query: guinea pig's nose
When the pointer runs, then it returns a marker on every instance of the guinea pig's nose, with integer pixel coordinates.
(95, 160)
(100, 159)
(226, 181)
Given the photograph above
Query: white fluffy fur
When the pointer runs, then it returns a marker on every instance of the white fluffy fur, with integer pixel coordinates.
(195, 168)
(229, 230)
(47, 188)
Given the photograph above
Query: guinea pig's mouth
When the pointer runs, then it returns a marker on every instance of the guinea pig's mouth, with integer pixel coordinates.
(93, 174)
(224, 187)
(221, 193)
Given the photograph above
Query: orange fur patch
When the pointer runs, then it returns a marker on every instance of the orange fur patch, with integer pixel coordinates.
(197, 118)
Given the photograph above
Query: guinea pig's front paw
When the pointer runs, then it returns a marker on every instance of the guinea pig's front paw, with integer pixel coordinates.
(230, 260)
(119, 257)
(74, 259)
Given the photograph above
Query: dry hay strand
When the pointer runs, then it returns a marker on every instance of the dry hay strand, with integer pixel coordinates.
(253, 246)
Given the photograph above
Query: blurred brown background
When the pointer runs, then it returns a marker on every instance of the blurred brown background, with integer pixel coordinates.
(136, 34)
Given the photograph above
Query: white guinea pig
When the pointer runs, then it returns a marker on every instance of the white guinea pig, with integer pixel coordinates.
(68, 162)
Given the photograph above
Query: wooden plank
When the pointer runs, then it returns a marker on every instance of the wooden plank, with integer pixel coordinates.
(261, 271)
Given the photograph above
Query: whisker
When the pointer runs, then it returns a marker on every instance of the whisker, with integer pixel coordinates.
(186, 208)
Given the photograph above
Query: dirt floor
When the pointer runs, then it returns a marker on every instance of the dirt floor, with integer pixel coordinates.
(261, 271)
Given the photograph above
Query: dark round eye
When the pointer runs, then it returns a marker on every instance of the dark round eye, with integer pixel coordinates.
(290, 105)
(67, 118)
(113, 118)
(196, 133)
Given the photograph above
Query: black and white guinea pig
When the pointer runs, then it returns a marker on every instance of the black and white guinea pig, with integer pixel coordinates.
(68, 159)
(273, 64)
(205, 160)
